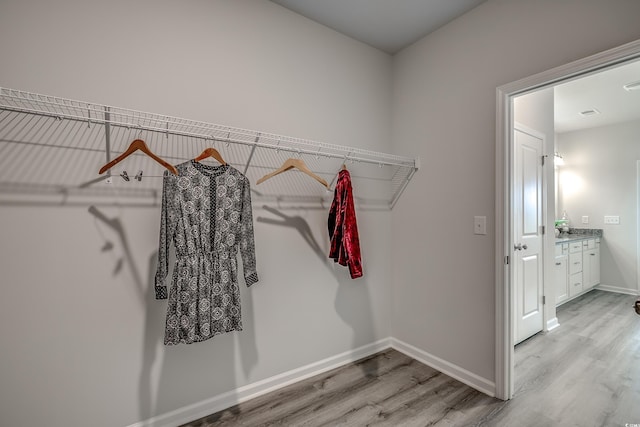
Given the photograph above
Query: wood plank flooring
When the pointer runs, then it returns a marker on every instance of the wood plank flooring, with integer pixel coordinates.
(584, 373)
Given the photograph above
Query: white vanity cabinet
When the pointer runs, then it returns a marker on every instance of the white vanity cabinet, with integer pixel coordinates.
(591, 263)
(577, 267)
(561, 273)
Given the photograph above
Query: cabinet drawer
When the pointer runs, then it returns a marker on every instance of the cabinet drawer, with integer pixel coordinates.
(562, 249)
(591, 243)
(575, 284)
(575, 263)
(575, 247)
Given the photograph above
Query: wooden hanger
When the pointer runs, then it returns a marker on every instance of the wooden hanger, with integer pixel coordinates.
(136, 145)
(210, 152)
(298, 164)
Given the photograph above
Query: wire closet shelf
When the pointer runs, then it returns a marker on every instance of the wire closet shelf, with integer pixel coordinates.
(53, 147)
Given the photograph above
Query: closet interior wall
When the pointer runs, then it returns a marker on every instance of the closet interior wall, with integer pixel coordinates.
(81, 331)
(443, 273)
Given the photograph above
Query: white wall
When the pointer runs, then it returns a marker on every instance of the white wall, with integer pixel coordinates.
(599, 178)
(81, 332)
(444, 112)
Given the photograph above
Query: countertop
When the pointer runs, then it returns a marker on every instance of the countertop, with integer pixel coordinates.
(578, 234)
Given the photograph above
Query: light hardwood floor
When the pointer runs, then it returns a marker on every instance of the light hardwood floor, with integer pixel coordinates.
(584, 373)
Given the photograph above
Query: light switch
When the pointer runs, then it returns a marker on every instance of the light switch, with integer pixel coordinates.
(479, 225)
(585, 219)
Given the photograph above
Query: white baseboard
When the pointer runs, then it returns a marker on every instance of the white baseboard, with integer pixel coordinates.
(617, 289)
(552, 324)
(223, 401)
(469, 378)
(218, 403)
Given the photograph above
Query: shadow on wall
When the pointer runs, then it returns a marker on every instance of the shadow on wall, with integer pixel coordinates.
(173, 377)
(146, 295)
(300, 225)
(352, 300)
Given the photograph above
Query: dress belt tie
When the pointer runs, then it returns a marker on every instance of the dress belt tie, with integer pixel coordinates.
(201, 254)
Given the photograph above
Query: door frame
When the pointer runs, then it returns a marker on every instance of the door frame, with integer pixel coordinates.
(637, 227)
(504, 359)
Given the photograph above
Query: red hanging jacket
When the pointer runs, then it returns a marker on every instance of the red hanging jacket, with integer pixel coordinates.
(343, 229)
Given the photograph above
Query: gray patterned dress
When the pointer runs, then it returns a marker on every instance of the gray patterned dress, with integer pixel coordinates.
(206, 212)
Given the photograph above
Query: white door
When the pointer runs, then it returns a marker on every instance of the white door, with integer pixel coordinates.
(527, 237)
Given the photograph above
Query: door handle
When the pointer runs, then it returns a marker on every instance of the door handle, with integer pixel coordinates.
(520, 247)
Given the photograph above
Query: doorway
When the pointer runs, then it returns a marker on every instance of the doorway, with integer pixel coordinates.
(505, 239)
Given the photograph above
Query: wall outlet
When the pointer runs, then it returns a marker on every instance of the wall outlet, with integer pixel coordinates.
(611, 219)
(585, 219)
(479, 225)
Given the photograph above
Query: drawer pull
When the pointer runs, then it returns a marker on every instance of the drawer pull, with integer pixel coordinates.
(558, 263)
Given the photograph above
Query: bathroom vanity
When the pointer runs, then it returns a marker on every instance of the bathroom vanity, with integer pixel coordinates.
(577, 264)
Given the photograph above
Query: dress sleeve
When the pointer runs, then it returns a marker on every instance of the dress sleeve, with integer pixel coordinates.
(168, 221)
(336, 217)
(247, 240)
(351, 240)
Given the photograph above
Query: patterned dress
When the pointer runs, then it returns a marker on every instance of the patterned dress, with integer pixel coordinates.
(206, 213)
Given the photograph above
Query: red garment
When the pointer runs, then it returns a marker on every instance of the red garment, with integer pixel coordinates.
(343, 229)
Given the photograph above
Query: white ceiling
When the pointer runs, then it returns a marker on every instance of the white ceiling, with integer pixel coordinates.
(602, 91)
(391, 25)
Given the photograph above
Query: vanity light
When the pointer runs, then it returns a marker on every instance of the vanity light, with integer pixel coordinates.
(632, 86)
(557, 159)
